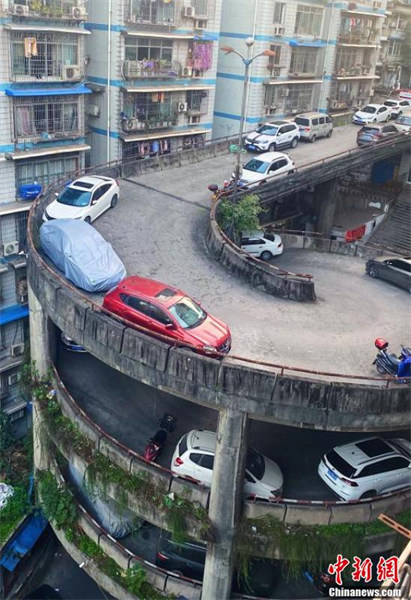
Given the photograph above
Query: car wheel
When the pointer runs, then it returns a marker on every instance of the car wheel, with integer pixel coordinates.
(88, 220)
(313, 138)
(114, 201)
(373, 272)
(368, 494)
(294, 142)
(329, 134)
(266, 255)
(272, 148)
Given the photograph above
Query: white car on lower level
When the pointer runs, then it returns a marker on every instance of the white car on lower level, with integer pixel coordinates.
(261, 245)
(372, 113)
(261, 168)
(397, 106)
(85, 198)
(367, 468)
(194, 458)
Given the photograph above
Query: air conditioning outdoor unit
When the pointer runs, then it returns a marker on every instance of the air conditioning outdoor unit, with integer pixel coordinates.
(284, 92)
(71, 72)
(182, 107)
(194, 119)
(334, 104)
(20, 10)
(17, 350)
(79, 13)
(279, 30)
(13, 379)
(93, 110)
(130, 124)
(10, 248)
(189, 12)
(187, 72)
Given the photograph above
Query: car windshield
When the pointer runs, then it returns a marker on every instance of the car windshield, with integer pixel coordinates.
(404, 120)
(257, 166)
(255, 463)
(370, 130)
(390, 103)
(187, 313)
(267, 129)
(368, 109)
(72, 197)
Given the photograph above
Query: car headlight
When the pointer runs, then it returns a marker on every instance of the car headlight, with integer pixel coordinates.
(209, 349)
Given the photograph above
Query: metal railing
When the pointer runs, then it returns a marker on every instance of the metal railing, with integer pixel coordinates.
(151, 69)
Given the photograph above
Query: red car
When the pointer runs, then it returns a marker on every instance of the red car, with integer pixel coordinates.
(166, 310)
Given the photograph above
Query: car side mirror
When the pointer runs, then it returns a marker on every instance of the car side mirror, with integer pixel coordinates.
(170, 326)
(93, 202)
(56, 194)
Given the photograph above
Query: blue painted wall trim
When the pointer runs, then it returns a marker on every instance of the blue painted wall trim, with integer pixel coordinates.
(39, 146)
(211, 36)
(224, 115)
(115, 135)
(120, 83)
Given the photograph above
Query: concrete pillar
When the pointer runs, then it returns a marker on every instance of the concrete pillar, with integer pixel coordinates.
(225, 503)
(39, 353)
(326, 196)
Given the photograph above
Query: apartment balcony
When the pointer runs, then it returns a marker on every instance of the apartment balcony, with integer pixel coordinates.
(151, 123)
(357, 39)
(357, 72)
(155, 12)
(47, 9)
(43, 70)
(154, 69)
(303, 75)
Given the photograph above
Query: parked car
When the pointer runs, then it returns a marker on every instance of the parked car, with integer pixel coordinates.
(85, 198)
(258, 170)
(403, 122)
(396, 270)
(375, 133)
(82, 254)
(71, 345)
(194, 457)
(261, 245)
(273, 135)
(372, 113)
(313, 125)
(397, 106)
(169, 311)
(188, 559)
(367, 468)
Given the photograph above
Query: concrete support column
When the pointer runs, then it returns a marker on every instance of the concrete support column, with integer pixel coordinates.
(39, 353)
(326, 196)
(225, 502)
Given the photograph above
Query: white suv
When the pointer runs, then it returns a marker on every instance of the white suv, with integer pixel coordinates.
(274, 135)
(194, 458)
(261, 168)
(367, 468)
(261, 245)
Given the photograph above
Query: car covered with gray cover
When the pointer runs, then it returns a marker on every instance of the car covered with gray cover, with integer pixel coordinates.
(82, 254)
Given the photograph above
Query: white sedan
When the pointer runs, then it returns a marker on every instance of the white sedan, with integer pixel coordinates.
(261, 245)
(397, 106)
(372, 113)
(260, 169)
(85, 198)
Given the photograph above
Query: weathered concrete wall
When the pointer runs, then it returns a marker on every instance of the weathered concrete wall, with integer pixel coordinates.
(282, 398)
(256, 272)
(321, 244)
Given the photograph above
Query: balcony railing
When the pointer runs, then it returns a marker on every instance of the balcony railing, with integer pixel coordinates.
(155, 12)
(48, 119)
(353, 71)
(357, 39)
(302, 75)
(152, 123)
(48, 9)
(151, 69)
(41, 69)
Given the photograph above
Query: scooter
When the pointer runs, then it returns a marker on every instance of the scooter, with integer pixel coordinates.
(155, 444)
(391, 364)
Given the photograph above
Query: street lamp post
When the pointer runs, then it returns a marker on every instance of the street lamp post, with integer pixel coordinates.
(246, 60)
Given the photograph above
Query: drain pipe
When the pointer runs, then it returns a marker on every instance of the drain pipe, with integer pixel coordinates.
(325, 54)
(110, 15)
(251, 66)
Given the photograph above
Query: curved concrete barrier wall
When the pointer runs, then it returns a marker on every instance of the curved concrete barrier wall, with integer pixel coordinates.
(321, 244)
(290, 512)
(256, 272)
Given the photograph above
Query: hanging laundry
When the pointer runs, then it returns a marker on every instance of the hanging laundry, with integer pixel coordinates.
(203, 55)
(30, 47)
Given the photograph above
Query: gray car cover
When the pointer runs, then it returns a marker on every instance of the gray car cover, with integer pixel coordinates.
(83, 255)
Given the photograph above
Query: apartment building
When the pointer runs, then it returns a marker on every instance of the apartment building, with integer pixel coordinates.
(42, 138)
(152, 67)
(325, 57)
(390, 65)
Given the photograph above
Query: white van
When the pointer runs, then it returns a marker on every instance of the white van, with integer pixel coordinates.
(314, 125)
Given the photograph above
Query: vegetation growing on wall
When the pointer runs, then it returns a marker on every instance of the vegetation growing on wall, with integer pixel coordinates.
(243, 215)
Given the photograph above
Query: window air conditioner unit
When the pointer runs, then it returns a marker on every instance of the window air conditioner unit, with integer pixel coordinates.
(93, 110)
(10, 248)
(20, 10)
(182, 107)
(13, 379)
(187, 72)
(189, 12)
(79, 13)
(279, 30)
(17, 350)
(285, 92)
(71, 72)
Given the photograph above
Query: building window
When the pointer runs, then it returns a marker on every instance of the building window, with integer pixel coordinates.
(271, 97)
(153, 109)
(394, 48)
(308, 20)
(47, 118)
(197, 101)
(200, 7)
(279, 13)
(154, 12)
(274, 61)
(46, 171)
(43, 56)
(303, 60)
(148, 49)
(299, 98)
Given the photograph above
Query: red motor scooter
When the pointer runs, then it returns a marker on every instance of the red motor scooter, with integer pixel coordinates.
(155, 444)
